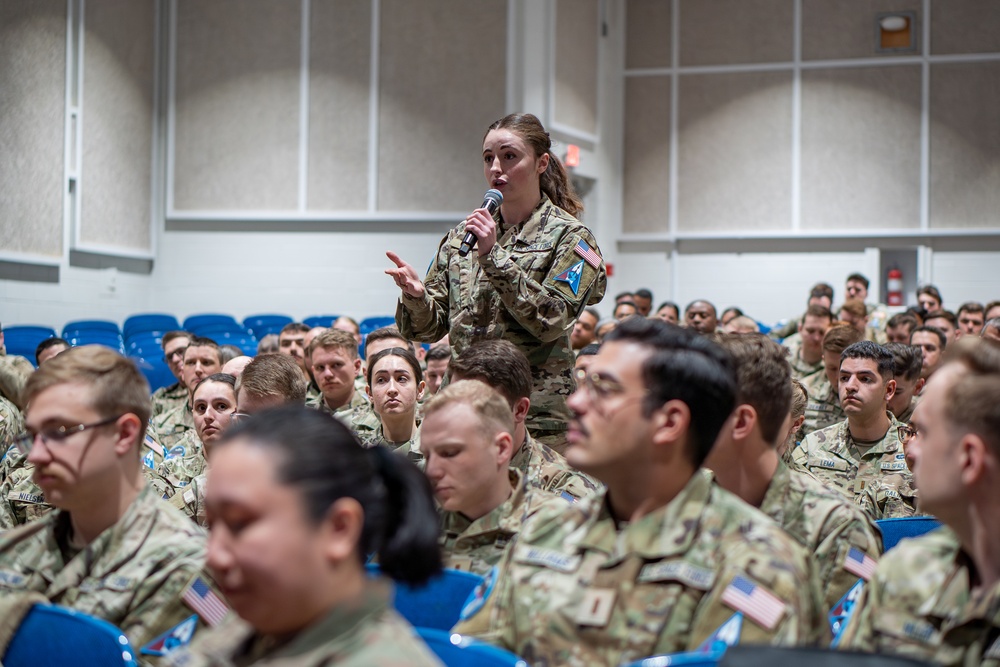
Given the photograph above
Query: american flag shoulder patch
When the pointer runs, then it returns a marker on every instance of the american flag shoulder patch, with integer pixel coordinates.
(202, 599)
(858, 562)
(755, 602)
(588, 254)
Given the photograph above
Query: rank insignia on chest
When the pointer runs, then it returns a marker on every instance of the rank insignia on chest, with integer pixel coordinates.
(571, 276)
(596, 607)
(174, 638)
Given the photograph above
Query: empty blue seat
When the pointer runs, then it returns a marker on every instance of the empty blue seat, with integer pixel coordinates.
(105, 338)
(212, 330)
(894, 530)
(157, 373)
(370, 324)
(262, 325)
(51, 635)
(193, 322)
(436, 604)
(149, 322)
(688, 659)
(22, 340)
(146, 344)
(320, 320)
(78, 326)
(458, 651)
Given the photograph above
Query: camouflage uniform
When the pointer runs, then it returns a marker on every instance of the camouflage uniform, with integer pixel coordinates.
(362, 633)
(576, 589)
(529, 290)
(835, 458)
(800, 368)
(824, 523)
(344, 412)
(878, 317)
(546, 469)
(133, 574)
(907, 414)
(11, 426)
(171, 425)
(920, 604)
(410, 449)
(312, 393)
(180, 470)
(14, 372)
(166, 399)
(476, 546)
(191, 499)
(363, 421)
(823, 407)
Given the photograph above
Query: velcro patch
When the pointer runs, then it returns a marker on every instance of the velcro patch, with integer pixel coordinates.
(554, 560)
(678, 570)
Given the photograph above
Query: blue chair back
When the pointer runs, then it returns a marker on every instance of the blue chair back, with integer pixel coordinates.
(145, 344)
(262, 325)
(51, 635)
(458, 651)
(241, 339)
(688, 659)
(370, 324)
(894, 530)
(149, 322)
(438, 603)
(194, 322)
(76, 326)
(23, 340)
(320, 320)
(157, 373)
(105, 338)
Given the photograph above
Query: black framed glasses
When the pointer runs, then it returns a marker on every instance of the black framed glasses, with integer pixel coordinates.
(906, 434)
(58, 435)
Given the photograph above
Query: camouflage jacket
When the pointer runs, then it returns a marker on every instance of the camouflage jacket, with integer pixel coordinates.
(920, 604)
(546, 469)
(180, 470)
(835, 459)
(800, 369)
(166, 399)
(410, 449)
(11, 426)
(476, 546)
(904, 417)
(361, 633)
(191, 499)
(823, 407)
(343, 413)
(826, 524)
(171, 425)
(529, 290)
(363, 421)
(576, 589)
(133, 575)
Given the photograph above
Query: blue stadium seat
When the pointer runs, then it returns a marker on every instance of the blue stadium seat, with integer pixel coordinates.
(146, 344)
(458, 651)
(51, 635)
(193, 322)
(149, 322)
(105, 338)
(370, 324)
(227, 328)
(262, 325)
(436, 604)
(893, 530)
(23, 340)
(689, 659)
(78, 326)
(157, 373)
(320, 320)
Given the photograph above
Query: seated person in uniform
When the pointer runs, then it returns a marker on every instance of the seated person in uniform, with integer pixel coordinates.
(502, 366)
(395, 384)
(934, 597)
(992, 311)
(201, 359)
(235, 366)
(669, 312)
(585, 329)
(467, 440)
(823, 408)
(745, 461)
(728, 315)
(856, 287)
(268, 381)
(296, 506)
(740, 325)
(991, 329)
(946, 322)
(907, 362)
(931, 342)
(796, 417)
(971, 317)
(268, 344)
(929, 298)
(350, 325)
(438, 359)
(624, 309)
(585, 356)
(855, 313)
(864, 450)
(313, 392)
(663, 557)
(643, 300)
(113, 548)
(291, 342)
(700, 316)
(899, 328)
(14, 372)
(805, 347)
(335, 365)
(49, 348)
(167, 398)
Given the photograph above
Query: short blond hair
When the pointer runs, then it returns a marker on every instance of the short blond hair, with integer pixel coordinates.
(800, 398)
(335, 339)
(489, 405)
(116, 385)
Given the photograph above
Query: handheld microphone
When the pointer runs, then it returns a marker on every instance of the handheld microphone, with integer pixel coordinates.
(491, 202)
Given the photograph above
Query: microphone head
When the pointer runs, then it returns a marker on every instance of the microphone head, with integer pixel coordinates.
(494, 195)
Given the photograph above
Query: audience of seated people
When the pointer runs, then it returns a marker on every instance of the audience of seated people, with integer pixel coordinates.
(708, 471)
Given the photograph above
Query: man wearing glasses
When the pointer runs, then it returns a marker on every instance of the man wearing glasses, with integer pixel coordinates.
(168, 398)
(664, 557)
(113, 548)
(935, 597)
(862, 457)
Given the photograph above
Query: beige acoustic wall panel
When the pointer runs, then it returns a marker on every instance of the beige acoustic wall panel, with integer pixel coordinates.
(965, 145)
(861, 148)
(646, 173)
(725, 32)
(846, 28)
(734, 152)
(236, 141)
(115, 206)
(647, 36)
(442, 82)
(339, 91)
(965, 26)
(32, 121)
(576, 65)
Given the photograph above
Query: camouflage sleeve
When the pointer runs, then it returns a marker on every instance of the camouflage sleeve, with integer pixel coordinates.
(859, 634)
(492, 619)
(547, 308)
(427, 318)
(838, 571)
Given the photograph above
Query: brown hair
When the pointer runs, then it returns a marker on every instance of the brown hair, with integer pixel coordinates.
(554, 181)
(973, 404)
(173, 335)
(763, 375)
(855, 307)
(499, 364)
(486, 402)
(800, 398)
(840, 337)
(273, 375)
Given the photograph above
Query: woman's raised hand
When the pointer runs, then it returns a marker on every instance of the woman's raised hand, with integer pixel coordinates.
(406, 277)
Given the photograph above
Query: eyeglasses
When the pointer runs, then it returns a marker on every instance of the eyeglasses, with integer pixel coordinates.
(58, 435)
(599, 387)
(906, 434)
(236, 417)
(179, 352)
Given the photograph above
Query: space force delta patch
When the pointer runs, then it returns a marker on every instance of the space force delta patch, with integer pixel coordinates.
(174, 638)
(571, 276)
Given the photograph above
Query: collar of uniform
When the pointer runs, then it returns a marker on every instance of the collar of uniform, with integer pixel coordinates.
(526, 232)
(664, 532)
(503, 517)
(951, 593)
(49, 566)
(773, 504)
(887, 445)
(522, 457)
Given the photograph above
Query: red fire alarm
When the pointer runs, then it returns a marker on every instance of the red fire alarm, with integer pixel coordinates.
(572, 156)
(610, 268)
